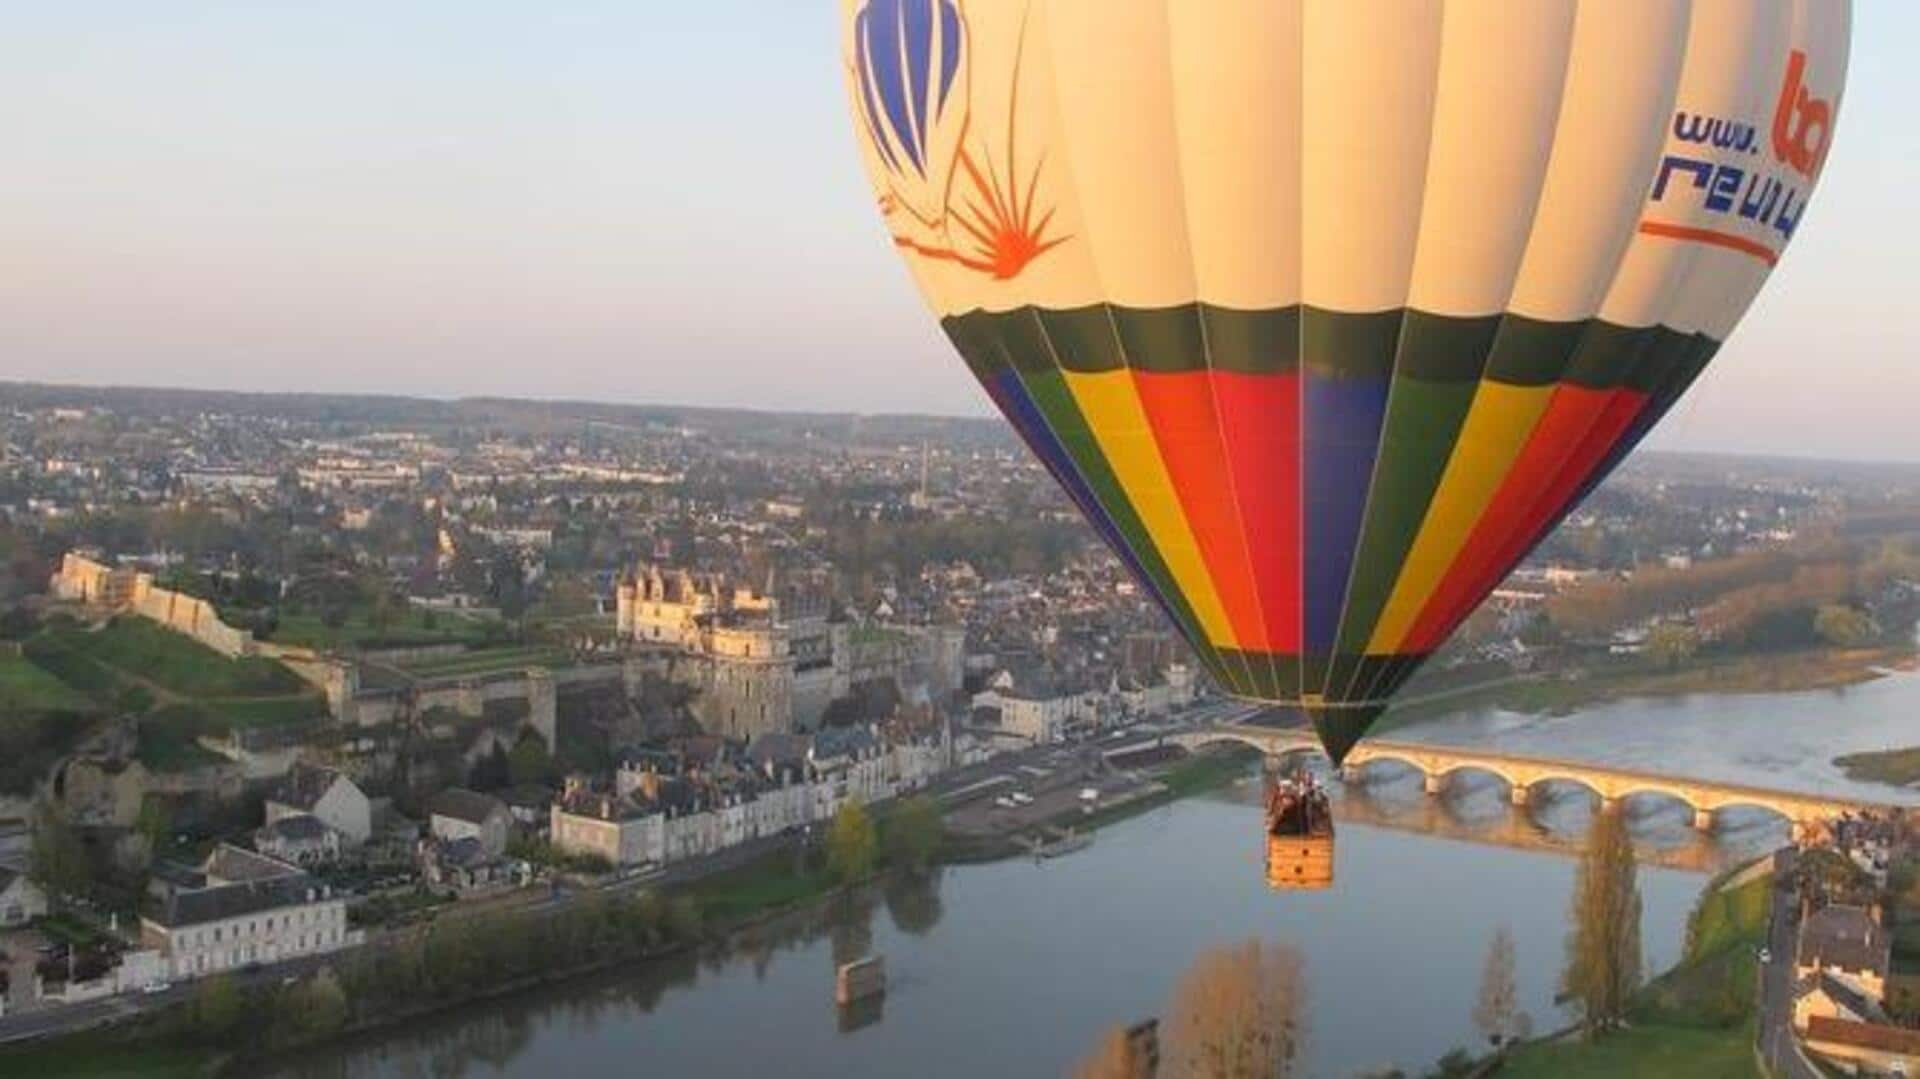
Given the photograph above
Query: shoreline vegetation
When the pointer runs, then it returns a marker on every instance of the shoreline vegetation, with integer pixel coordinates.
(1893, 767)
(1562, 692)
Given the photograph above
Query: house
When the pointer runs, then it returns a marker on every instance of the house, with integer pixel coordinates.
(528, 804)
(1037, 706)
(21, 900)
(299, 838)
(609, 827)
(458, 813)
(1865, 1048)
(1824, 996)
(327, 794)
(1847, 944)
(465, 867)
(241, 908)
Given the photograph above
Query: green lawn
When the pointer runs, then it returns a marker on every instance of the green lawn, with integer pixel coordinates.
(414, 628)
(66, 1060)
(1693, 1052)
(490, 661)
(757, 886)
(27, 687)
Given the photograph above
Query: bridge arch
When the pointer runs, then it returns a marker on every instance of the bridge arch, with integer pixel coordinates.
(1454, 768)
(1776, 810)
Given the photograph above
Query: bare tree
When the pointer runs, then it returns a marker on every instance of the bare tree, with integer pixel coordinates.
(1497, 1012)
(1603, 945)
(1116, 1057)
(1236, 1014)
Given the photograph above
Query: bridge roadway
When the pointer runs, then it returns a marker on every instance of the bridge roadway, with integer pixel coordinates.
(1804, 812)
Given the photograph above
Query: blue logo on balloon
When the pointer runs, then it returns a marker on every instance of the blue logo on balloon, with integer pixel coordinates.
(901, 47)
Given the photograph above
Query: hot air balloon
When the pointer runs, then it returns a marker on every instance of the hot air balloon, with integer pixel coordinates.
(1325, 312)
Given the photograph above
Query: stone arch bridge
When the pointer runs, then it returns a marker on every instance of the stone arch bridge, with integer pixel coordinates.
(1437, 764)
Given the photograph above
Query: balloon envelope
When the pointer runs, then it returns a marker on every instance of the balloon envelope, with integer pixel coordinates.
(1324, 314)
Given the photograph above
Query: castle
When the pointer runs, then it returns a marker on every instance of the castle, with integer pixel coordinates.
(769, 659)
(761, 661)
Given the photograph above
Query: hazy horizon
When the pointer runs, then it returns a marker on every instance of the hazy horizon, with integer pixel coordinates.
(592, 205)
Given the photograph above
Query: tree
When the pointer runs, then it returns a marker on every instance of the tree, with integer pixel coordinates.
(492, 771)
(851, 844)
(1603, 945)
(1843, 626)
(1670, 644)
(914, 833)
(1116, 1057)
(314, 1009)
(59, 861)
(217, 1008)
(1236, 1013)
(156, 822)
(1496, 1013)
(529, 762)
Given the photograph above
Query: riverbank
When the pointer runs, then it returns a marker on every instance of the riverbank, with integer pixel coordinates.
(1697, 1019)
(1565, 692)
(1894, 767)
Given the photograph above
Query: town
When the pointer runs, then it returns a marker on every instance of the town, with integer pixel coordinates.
(285, 678)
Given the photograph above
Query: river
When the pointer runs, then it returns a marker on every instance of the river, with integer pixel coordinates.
(1016, 968)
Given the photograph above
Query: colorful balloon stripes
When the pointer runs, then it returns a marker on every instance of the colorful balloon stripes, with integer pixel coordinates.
(1318, 499)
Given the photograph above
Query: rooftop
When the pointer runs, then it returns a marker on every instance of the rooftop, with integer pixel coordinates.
(1846, 937)
(304, 786)
(461, 804)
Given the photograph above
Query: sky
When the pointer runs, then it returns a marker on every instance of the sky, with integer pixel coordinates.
(658, 202)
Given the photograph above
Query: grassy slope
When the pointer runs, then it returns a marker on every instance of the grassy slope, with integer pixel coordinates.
(1694, 1020)
(41, 718)
(211, 693)
(177, 663)
(26, 687)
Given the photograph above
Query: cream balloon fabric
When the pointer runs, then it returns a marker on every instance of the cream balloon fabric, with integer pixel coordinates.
(1325, 312)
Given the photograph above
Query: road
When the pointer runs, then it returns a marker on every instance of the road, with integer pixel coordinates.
(1777, 1045)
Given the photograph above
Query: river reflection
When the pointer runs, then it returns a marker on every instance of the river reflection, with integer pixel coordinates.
(1017, 968)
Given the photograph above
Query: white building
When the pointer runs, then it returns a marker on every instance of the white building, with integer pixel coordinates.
(299, 839)
(792, 781)
(1036, 709)
(463, 814)
(244, 908)
(326, 794)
